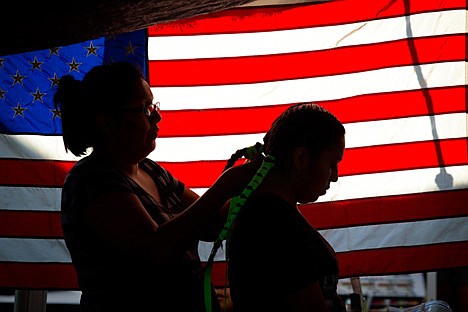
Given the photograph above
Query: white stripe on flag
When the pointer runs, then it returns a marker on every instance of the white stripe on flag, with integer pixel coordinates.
(416, 233)
(177, 149)
(349, 187)
(397, 183)
(404, 234)
(392, 183)
(370, 133)
(24, 146)
(24, 198)
(34, 250)
(322, 38)
(324, 88)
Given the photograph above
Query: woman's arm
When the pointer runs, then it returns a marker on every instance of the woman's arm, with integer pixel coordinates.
(215, 223)
(123, 221)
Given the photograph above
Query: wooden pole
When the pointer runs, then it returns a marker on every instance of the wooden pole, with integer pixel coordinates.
(30, 301)
(431, 286)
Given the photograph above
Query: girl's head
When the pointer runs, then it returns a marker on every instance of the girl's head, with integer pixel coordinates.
(307, 142)
(306, 124)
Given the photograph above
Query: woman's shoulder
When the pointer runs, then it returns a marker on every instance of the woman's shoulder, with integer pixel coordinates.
(93, 171)
(88, 164)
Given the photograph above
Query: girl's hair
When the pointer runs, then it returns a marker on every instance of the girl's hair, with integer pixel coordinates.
(104, 89)
(304, 124)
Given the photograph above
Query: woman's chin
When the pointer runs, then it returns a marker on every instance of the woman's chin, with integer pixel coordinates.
(309, 200)
(151, 147)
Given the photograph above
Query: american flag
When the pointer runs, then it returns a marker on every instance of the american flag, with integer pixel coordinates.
(393, 72)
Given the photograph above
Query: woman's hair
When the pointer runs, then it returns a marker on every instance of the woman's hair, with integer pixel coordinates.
(104, 89)
(304, 124)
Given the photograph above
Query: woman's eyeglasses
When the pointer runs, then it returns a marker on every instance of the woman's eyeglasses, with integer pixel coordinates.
(148, 110)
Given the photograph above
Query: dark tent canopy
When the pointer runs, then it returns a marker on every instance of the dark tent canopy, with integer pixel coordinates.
(29, 26)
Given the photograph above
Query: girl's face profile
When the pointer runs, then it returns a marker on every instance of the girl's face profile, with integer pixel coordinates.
(323, 170)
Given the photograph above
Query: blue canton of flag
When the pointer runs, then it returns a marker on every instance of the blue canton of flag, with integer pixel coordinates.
(28, 80)
(33, 160)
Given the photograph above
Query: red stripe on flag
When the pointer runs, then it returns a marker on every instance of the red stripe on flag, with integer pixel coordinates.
(404, 156)
(374, 262)
(264, 68)
(201, 174)
(404, 259)
(356, 161)
(389, 209)
(384, 106)
(327, 215)
(44, 173)
(299, 16)
(229, 121)
(37, 276)
(30, 224)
